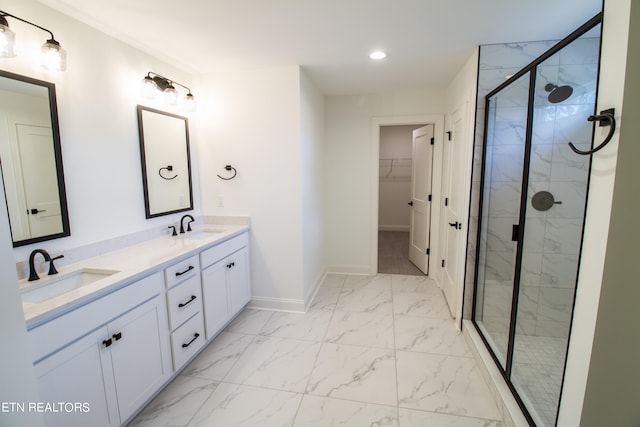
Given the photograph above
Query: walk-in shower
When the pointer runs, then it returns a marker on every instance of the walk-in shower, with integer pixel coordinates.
(533, 198)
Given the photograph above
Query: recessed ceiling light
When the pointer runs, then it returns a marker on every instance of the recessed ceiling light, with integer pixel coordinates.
(378, 54)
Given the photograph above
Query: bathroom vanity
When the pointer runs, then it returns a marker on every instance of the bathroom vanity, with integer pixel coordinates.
(110, 332)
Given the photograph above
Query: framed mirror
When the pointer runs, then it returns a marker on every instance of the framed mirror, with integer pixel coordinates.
(31, 160)
(166, 164)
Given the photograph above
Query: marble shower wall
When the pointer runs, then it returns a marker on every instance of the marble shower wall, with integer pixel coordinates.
(496, 63)
(552, 238)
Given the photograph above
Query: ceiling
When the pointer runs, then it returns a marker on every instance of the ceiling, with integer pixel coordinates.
(427, 40)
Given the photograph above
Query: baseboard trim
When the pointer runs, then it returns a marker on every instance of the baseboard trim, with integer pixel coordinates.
(350, 269)
(277, 304)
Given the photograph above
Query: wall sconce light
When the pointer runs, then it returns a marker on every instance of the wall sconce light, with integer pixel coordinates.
(54, 57)
(153, 83)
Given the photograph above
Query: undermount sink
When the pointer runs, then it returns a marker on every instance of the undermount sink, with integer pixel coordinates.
(52, 287)
(202, 233)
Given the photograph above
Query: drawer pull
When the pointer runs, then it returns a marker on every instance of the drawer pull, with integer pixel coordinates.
(106, 343)
(231, 264)
(117, 337)
(195, 337)
(180, 273)
(184, 304)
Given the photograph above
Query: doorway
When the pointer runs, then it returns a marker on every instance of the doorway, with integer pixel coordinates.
(394, 212)
(378, 170)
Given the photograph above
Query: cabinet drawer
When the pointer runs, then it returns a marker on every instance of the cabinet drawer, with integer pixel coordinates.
(224, 249)
(181, 271)
(184, 300)
(187, 340)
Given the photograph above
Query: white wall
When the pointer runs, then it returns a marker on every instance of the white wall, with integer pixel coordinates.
(605, 311)
(348, 174)
(97, 98)
(312, 140)
(253, 123)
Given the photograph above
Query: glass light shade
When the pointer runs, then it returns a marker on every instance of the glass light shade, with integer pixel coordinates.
(170, 95)
(54, 57)
(189, 103)
(7, 42)
(149, 88)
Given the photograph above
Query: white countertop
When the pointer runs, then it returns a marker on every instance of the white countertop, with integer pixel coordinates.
(131, 263)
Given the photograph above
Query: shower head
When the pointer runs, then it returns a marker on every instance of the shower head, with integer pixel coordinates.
(558, 93)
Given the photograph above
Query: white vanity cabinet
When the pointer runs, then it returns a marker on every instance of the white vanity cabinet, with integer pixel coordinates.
(184, 302)
(225, 282)
(105, 359)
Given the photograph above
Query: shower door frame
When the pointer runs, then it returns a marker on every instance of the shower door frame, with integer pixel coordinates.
(532, 70)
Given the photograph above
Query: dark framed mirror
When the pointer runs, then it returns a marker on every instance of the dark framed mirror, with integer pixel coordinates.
(166, 162)
(31, 160)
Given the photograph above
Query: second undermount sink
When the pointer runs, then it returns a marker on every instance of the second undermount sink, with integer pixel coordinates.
(52, 287)
(202, 233)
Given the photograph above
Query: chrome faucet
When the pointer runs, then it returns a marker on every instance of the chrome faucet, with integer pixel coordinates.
(33, 275)
(188, 223)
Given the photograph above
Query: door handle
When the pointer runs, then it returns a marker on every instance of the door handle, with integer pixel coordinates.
(455, 225)
(410, 203)
(37, 211)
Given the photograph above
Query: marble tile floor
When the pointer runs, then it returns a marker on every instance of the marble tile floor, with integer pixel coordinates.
(371, 351)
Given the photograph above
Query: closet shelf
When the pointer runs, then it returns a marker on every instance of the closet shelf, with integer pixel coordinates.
(395, 169)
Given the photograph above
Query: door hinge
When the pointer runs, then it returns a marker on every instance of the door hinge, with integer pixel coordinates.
(446, 201)
(428, 250)
(433, 140)
(429, 198)
(443, 263)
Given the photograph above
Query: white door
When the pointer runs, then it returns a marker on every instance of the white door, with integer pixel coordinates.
(452, 207)
(420, 219)
(39, 177)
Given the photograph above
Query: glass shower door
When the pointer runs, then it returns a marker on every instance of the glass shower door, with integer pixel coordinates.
(505, 140)
(564, 97)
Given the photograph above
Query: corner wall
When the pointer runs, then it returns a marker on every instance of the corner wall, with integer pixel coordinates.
(255, 125)
(348, 174)
(312, 140)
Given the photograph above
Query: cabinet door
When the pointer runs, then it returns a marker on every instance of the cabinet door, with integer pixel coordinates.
(214, 297)
(140, 354)
(239, 288)
(79, 373)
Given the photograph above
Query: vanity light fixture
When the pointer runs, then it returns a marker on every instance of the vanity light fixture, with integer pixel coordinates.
(54, 57)
(153, 83)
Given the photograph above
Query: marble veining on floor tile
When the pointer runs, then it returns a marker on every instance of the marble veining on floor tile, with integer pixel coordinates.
(355, 373)
(310, 326)
(370, 351)
(177, 404)
(318, 411)
(219, 357)
(425, 335)
(273, 362)
(250, 321)
(243, 406)
(451, 385)
(367, 329)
